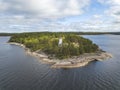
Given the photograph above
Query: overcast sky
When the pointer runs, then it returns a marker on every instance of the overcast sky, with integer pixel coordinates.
(59, 15)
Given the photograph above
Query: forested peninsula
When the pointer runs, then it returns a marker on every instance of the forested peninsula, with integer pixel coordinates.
(74, 51)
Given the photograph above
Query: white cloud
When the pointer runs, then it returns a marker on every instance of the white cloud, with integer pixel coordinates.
(46, 8)
(114, 2)
(111, 2)
(114, 8)
(3, 6)
(97, 16)
(113, 12)
(43, 15)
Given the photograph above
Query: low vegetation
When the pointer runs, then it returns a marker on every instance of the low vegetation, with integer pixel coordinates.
(73, 44)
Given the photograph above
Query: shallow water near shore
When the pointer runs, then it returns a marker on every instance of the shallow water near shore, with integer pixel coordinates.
(19, 71)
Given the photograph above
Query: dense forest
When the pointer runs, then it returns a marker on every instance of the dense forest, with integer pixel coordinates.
(78, 33)
(73, 44)
(6, 34)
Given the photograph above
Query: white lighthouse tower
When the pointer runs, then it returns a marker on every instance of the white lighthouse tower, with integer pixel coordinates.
(60, 42)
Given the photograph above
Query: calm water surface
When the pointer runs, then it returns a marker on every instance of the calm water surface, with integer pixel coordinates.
(19, 71)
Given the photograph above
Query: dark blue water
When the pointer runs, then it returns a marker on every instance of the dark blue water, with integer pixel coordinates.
(19, 71)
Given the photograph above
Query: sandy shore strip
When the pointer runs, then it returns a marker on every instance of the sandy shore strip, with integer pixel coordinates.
(74, 62)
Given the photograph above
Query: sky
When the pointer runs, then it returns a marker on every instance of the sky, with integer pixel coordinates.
(59, 15)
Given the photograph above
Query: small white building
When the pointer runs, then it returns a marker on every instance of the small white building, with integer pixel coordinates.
(60, 42)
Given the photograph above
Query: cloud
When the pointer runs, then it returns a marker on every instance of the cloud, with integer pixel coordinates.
(3, 6)
(113, 12)
(114, 8)
(45, 8)
(19, 24)
(110, 2)
(97, 16)
(45, 15)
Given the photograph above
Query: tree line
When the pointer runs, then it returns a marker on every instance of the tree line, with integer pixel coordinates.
(47, 42)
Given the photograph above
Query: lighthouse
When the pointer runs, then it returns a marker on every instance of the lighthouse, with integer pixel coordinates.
(60, 42)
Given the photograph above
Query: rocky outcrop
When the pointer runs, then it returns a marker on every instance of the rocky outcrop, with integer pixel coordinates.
(82, 60)
(76, 61)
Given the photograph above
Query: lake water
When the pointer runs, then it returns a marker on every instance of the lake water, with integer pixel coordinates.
(19, 71)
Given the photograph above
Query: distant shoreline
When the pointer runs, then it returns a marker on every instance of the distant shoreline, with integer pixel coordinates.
(74, 62)
(78, 33)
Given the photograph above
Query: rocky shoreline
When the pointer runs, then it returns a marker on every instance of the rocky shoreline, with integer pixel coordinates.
(74, 62)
